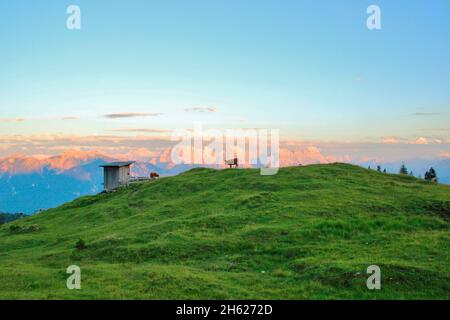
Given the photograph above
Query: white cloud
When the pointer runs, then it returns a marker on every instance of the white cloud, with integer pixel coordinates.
(202, 109)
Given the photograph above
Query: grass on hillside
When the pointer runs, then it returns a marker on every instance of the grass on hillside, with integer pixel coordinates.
(305, 233)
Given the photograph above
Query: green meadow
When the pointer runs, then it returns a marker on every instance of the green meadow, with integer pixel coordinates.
(306, 233)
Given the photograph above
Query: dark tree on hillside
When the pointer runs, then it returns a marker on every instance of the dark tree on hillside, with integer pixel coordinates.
(8, 217)
(403, 169)
(431, 175)
(384, 171)
(379, 168)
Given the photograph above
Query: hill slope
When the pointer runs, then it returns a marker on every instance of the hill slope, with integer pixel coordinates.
(307, 232)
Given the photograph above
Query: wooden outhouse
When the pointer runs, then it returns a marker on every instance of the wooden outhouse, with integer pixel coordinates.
(116, 174)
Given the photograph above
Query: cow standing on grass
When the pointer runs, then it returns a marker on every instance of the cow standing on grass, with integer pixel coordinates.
(154, 175)
(232, 162)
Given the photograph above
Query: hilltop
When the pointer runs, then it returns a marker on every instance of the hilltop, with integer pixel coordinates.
(306, 233)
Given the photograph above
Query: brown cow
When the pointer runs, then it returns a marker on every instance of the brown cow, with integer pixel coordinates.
(154, 175)
(232, 162)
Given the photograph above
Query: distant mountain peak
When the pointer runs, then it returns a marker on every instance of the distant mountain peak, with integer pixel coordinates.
(73, 158)
(20, 163)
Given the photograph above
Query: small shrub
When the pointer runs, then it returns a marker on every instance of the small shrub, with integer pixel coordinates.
(80, 245)
(15, 228)
(24, 229)
(281, 273)
(33, 227)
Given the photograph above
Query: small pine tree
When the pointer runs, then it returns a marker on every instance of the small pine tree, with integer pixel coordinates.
(384, 171)
(431, 175)
(403, 169)
(379, 168)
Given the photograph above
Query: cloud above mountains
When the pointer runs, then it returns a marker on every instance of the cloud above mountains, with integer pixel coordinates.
(418, 141)
(391, 140)
(202, 109)
(421, 140)
(67, 118)
(140, 130)
(12, 120)
(130, 115)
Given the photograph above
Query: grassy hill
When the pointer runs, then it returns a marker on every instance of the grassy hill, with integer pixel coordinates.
(305, 233)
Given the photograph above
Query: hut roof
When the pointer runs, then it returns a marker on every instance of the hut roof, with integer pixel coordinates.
(118, 164)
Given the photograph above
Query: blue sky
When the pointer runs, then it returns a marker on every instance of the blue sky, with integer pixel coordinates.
(310, 68)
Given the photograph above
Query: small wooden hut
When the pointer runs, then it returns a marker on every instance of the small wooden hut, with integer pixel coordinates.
(116, 174)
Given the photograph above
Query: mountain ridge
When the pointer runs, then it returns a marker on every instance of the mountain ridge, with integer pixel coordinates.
(32, 183)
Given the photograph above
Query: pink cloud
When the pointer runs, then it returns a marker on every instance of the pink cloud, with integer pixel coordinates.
(12, 119)
(390, 140)
(421, 140)
(140, 130)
